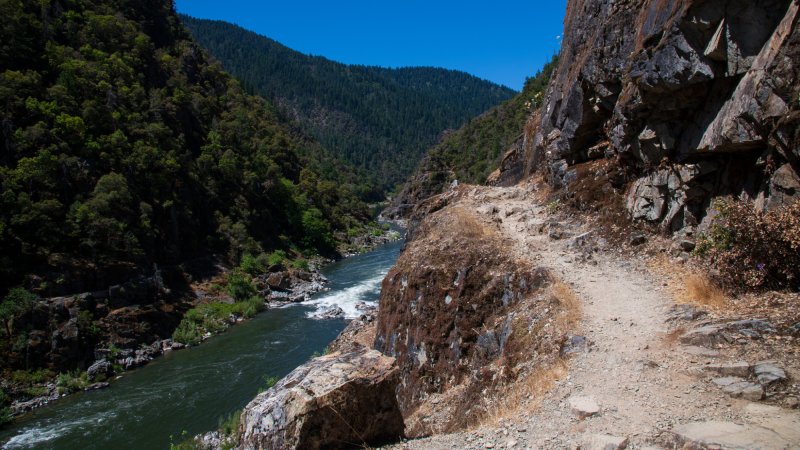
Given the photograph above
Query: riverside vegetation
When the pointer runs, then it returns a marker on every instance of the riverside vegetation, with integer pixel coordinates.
(132, 165)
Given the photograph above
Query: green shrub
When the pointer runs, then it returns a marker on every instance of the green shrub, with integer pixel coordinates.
(5, 411)
(269, 381)
(228, 425)
(187, 333)
(276, 258)
(754, 249)
(72, 381)
(31, 377)
(240, 286)
(300, 264)
(254, 265)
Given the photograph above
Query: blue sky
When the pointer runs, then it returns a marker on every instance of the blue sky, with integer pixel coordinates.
(502, 41)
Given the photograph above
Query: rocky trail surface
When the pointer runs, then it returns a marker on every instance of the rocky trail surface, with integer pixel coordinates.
(631, 382)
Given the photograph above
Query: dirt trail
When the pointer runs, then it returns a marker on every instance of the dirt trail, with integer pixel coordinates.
(636, 372)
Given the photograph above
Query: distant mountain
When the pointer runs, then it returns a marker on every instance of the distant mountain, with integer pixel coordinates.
(472, 152)
(379, 119)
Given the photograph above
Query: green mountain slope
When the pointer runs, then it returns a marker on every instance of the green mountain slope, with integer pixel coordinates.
(124, 147)
(379, 119)
(472, 152)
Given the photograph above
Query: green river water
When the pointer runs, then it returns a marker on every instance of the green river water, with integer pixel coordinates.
(189, 390)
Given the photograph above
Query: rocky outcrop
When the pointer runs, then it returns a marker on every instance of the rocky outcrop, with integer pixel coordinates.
(341, 400)
(689, 99)
(458, 311)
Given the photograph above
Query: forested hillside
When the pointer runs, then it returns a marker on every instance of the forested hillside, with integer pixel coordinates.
(379, 119)
(124, 147)
(472, 152)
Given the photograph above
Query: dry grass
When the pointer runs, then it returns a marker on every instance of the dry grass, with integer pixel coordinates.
(570, 312)
(702, 291)
(524, 395)
(689, 285)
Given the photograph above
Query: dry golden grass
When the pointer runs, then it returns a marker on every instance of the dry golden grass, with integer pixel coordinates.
(687, 285)
(570, 312)
(701, 290)
(524, 395)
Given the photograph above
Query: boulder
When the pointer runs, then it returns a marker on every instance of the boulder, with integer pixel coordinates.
(334, 401)
(767, 373)
(278, 281)
(101, 369)
(584, 407)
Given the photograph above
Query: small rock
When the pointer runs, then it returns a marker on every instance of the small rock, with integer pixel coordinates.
(767, 373)
(100, 369)
(605, 442)
(584, 407)
(638, 239)
(575, 344)
(738, 387)
(792, 402)
(686, 245)
(96, 386)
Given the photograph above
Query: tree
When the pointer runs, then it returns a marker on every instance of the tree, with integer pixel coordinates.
(17, 302)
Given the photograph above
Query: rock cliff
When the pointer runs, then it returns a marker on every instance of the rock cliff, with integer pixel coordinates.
(687, 100)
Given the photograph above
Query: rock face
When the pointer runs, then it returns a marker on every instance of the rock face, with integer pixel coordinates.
(454, 312)
(688, 99)
(339, 400)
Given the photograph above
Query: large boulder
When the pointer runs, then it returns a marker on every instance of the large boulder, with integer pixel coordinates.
(339, 400)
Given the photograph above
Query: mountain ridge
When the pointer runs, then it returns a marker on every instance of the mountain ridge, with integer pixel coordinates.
(377, 118)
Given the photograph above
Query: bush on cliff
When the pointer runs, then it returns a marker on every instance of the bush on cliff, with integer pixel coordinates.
(753, 248)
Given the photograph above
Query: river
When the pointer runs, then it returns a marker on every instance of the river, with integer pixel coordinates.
(190, 390)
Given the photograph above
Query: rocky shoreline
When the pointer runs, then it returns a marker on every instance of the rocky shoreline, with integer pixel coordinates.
(279, 289)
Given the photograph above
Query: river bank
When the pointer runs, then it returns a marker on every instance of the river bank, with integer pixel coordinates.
(280, 286)
(190, 390)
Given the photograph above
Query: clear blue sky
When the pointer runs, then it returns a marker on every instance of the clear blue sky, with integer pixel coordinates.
(502, 41)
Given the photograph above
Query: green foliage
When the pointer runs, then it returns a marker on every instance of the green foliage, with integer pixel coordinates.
(186, 443)
(124, 146)
(31, 377)
(300, 264)
(276, 258)
(317, 231)
(752, 248)
(269, 382)
(17, 302)
(240, 286)
(378, 119)
(5, 411)
(72, 381)
(214, 318)
(254, 265)
(228, 425)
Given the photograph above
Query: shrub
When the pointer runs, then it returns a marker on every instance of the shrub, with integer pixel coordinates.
(187, 333)
(254, 265)
(228, 425)
(240, 286)
(276, 258)
(72, 381)
(752, 248)
(5, 411)
(300, 264)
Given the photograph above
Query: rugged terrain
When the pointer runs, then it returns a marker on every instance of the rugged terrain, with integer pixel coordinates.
(632, 377)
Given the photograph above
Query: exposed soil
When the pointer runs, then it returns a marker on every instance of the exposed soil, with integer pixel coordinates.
(644, 381)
